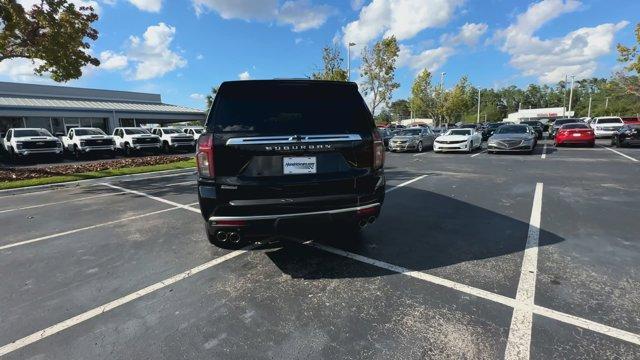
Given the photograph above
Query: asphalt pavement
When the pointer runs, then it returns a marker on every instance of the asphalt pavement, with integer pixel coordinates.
(475, 256)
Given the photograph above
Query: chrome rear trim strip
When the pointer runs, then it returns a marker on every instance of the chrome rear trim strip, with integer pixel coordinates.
(293, 139)
(287, 216)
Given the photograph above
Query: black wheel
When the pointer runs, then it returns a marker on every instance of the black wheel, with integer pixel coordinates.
(77, 154)
(592, 144)
(12, 156)
(165, 147)
(126, 150)
(419, 148)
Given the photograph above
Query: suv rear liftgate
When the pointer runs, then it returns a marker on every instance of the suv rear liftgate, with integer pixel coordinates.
(283, 151)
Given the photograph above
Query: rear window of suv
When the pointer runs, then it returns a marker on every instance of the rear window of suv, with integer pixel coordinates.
(289, 107)
(610, 121)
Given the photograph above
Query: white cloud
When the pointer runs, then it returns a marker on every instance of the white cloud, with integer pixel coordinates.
(152, 54)
(575, 53)
(430, 59)
(402, 18)
(21, 70)
(197, 96)
(147, 5)
(302, 15)
(244, 75)
(112, 61)
(238, 9)
(357, 4)
(469, 35)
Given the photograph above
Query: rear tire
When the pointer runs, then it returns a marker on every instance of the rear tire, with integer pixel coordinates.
(419, 147)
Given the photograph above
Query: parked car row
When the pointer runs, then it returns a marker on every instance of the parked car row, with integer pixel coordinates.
(24, 143)
(465, 138)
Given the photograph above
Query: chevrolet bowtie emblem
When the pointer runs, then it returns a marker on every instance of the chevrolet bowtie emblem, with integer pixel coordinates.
(296, 138)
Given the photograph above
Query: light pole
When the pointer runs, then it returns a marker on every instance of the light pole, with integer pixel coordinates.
(442, 74)
(606, 103)
(349, 60)
(564, 97)
(589, 114)
(478, 118)
(571, 93)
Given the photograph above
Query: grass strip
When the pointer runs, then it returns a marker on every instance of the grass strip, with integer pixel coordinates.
(185, 164)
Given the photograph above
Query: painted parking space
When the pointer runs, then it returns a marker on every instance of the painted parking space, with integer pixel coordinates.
(440, 274)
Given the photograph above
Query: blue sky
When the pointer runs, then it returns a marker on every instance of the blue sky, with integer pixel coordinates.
(181, 48)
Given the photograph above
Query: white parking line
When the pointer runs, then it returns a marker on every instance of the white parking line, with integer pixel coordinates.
(172, 203)
(61, 326)
(619, 153)
(406, 183)
(544, 152)
(481, 152)
(519, 341)
(60, 202)
(69, 232)
(190, 182)
(487, 295)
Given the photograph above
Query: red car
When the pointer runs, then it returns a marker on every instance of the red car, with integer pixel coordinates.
(575, 133)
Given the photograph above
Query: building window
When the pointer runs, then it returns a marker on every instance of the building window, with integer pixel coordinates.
(127, 122)
(39, 122)
(7, 123)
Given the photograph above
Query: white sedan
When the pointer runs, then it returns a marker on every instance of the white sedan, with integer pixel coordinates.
(458, 140)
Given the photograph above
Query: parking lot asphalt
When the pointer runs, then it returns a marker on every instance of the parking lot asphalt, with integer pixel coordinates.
(475, 256)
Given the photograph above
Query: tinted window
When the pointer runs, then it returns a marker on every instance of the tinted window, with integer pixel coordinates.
(575, 126)
(458, 132)
(532, 123)
(289, 107)
(83, 132)
(34, 132)
(172, 131)
(410, 132)
(135, 131)
(512, 129)
(610, 121)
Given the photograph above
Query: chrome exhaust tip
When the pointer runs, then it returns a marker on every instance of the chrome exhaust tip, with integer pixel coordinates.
(371, 219)
(222, 236)
(234, 237)
(362, 223)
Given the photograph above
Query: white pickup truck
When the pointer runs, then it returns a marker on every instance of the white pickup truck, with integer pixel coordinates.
(130, 139)
(194, 131)
(83, 141)
(174, 139)
(26, 142)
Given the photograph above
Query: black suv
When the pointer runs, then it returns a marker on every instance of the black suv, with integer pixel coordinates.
(282, 152)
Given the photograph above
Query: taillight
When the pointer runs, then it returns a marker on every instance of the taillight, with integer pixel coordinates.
(378, 151)
(204, 156)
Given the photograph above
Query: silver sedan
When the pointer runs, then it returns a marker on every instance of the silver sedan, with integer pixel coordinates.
(414, 139)
(521, 138)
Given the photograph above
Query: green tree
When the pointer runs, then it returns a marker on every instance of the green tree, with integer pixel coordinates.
(212, 96)
(631, 57)
(423, 101)
(456, 102)
(53, 32)
(331, 65)
(400, 109)
(384, 117)
(378, 71)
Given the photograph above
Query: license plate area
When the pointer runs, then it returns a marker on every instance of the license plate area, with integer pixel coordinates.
(299, 165)
(577, 134)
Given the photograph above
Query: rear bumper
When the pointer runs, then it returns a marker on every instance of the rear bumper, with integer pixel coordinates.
(575, 140)
(265, 216)
(604, 133)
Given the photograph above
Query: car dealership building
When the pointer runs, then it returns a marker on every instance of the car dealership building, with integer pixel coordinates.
(59, 108)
